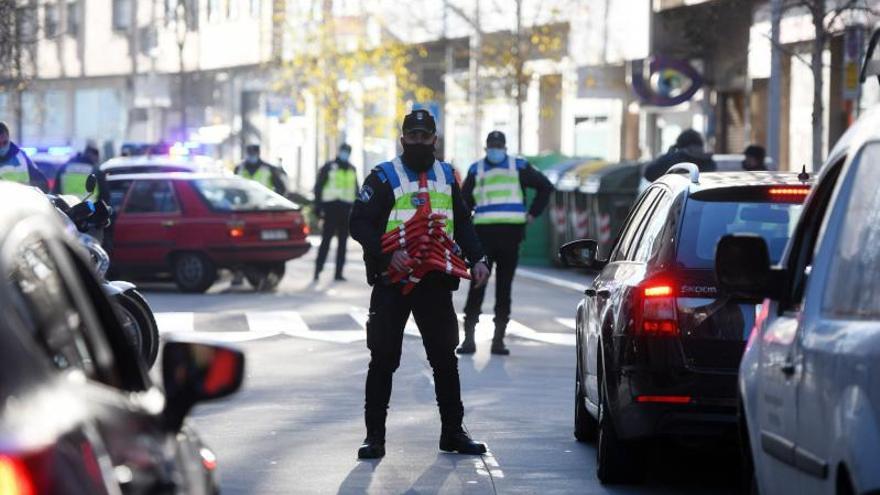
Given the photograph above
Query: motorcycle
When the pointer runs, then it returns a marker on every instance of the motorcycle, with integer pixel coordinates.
(87, 220)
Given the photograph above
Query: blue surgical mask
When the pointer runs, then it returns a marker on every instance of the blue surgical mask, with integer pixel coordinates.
(4, 149)
(496, 155)
(343, 156)
(252, 159)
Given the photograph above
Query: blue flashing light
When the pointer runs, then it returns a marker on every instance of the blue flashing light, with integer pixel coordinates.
(60, 150)
(29, 150)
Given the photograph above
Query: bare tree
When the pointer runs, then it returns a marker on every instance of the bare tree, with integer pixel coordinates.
(826, 16)
(18, 44)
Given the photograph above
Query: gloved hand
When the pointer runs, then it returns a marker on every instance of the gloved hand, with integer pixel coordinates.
(480, 274)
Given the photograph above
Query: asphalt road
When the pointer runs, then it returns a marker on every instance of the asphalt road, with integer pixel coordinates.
(296, 424)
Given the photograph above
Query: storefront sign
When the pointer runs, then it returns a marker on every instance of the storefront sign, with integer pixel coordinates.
(664, 82)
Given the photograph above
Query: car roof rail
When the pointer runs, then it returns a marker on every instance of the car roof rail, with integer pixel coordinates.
(686, 168)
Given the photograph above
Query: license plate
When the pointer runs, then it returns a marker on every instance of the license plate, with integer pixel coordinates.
(274, 235)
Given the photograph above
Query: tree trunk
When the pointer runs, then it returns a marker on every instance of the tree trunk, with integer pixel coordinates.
(818, 87)
(520, 83)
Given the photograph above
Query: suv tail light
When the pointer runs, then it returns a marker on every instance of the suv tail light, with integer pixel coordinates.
(655, 309)
(15, 479)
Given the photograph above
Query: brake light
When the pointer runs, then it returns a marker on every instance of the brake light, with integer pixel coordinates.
(664, 399)
(15, 479)
(789, 192)
(306, 229)
(209, 460)
(236, 229)
(655, 310)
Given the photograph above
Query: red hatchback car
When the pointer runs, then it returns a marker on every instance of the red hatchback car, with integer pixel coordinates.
(191, 224)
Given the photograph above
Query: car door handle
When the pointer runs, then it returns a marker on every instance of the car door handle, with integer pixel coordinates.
(168, 223)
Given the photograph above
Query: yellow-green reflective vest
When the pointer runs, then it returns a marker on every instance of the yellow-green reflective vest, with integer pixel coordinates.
(340, 184)
(16, 169)
(405, 184)
(498, 194)
(73, 181)
(263, 175)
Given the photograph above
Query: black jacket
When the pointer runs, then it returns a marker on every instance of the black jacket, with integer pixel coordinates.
(369, 217)
(529, 178)
(658, 167)
(322, 179)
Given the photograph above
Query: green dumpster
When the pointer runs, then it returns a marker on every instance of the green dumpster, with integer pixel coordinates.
(605, 196)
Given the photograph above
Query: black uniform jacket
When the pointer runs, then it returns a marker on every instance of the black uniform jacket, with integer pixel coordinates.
(369, 217)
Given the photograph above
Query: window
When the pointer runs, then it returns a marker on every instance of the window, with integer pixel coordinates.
(657, 219)
(72, 18)
(122, 14)
(117, 190)
(705, 222)
(853, 288)
(240, 195)
(42, 301)
(151, 196)
(631, 228)
(26, 18)
(50, 20)
(255, 8)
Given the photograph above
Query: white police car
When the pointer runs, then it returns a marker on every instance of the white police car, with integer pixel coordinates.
(809, 382)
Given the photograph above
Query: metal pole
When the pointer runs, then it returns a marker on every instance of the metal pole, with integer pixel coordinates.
(475, 79)
(774, 104)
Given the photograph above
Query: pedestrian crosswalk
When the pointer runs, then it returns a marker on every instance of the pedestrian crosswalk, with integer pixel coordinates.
(343, 327)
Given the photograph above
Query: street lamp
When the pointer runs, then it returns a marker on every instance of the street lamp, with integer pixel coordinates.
(180, 30)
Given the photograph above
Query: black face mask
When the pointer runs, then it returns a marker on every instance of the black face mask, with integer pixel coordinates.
(418, 157)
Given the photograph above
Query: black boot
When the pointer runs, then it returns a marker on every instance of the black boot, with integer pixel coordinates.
(468, 346)
(373, 446)
(498, 346)
(456, 440)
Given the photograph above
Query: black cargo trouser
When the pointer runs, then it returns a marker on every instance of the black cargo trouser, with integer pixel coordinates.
(503, 258)
(335, 225)
(432, 309)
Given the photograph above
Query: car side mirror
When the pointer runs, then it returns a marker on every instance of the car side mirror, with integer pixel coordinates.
(197, 372)
(582, 253)
(91, 183)
(743, 268)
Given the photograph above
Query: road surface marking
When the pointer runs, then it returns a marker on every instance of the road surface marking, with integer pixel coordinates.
(558, 282)
(567, 322)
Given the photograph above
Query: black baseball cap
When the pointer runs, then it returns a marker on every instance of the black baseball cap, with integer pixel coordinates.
(419, 120)
(496, 139)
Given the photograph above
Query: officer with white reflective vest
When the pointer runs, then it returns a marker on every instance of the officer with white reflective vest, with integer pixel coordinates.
(16, 166)
(254, 168)
(495, 190)
(72, 176)
(394, 194)
(335, 192)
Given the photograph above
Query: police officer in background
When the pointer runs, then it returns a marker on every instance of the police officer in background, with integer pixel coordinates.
(335, 191)
(72, 176)
(495, 190)
(254, 168)
(753, 158)
(16, 166)
(388, 198)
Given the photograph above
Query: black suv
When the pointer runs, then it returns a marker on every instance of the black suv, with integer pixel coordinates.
(658, 344)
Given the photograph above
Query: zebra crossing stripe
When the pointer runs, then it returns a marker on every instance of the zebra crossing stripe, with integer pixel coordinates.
(266, 324)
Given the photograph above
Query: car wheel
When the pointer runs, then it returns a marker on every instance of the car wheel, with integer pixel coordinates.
(130, 327)
(586, 428)
(139, 325)
(616, 461)
(265, 279)
(193, 272)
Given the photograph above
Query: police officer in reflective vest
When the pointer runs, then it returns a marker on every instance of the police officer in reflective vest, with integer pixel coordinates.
(495, 189)
(16, 166)
(388, 199)
(72, 176)
(254, 168)
(335, 191)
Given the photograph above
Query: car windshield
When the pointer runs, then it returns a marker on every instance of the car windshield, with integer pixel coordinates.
(705, 222)
(233, 194)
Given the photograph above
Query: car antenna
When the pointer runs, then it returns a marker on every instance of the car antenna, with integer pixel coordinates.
(804, 176)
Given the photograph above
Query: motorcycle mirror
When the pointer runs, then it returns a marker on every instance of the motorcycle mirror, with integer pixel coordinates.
(91, 183)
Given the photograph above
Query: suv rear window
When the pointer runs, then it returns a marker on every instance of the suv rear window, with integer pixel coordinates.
(705, 222)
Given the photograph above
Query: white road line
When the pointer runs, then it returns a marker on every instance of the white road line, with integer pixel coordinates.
(265, 324)
(558, 282)
(567, 322)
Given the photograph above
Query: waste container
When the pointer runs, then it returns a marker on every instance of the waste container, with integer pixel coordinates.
(536, 249)
(561, 205)
(605, 196)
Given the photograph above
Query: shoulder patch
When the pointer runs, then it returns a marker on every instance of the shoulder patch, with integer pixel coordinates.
(366, 194)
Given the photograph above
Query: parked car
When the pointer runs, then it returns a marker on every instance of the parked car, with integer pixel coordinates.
(658, 344)
(78, 411)
(809, 393)
(190, 225)
(149, 164)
